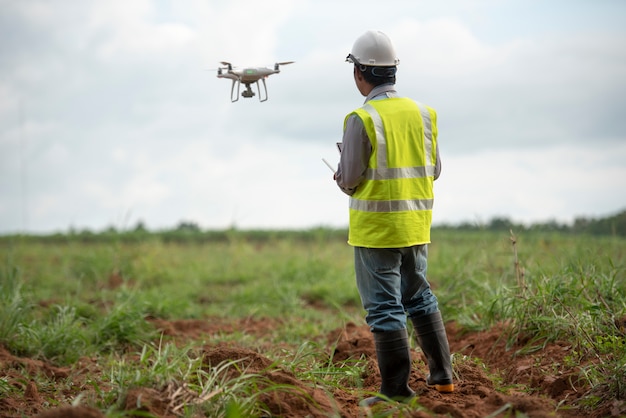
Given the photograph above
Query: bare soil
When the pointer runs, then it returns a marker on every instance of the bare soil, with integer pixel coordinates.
(490, 378)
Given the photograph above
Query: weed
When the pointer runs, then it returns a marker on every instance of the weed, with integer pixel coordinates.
(124, 324)
(5, 387)
(311, 363)
(60, 338)
(15, 309)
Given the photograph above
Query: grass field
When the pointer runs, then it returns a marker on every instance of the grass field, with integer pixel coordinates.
(271, 325)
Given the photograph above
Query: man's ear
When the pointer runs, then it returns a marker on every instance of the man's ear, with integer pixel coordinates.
(358, 74)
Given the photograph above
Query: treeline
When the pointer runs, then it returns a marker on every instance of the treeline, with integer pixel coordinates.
(612, 225)
(191, 232)
(185, 233)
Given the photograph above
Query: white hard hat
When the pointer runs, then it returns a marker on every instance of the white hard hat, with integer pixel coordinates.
(373, 48)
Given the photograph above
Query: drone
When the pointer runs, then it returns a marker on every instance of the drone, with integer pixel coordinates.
(247, 76)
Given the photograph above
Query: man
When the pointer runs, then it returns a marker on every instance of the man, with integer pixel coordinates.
(388, 164)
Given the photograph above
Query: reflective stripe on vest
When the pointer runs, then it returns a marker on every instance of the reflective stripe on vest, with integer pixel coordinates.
(391, 205)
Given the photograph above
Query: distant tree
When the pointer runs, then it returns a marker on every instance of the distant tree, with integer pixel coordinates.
(140, 227)
(188, 226)
(111, 230)
(500, 224)
(581, 224)
(612, 225)
(550, 226)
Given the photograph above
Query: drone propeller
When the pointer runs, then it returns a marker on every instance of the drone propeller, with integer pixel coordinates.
(278, 64)
(226, 64)
(218, 69)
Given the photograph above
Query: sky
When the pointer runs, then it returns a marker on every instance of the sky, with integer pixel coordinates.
(111, 113)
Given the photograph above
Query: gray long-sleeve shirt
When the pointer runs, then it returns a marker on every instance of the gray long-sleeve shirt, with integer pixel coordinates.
(357, 148)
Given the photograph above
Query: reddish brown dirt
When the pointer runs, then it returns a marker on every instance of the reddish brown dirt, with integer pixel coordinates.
(531, 385)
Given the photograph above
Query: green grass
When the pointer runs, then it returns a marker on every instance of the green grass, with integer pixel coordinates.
(68, 299)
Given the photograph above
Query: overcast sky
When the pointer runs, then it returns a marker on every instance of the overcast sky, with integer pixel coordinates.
(111, 112)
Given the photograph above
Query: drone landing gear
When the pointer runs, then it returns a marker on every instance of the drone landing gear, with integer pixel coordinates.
(247, 93)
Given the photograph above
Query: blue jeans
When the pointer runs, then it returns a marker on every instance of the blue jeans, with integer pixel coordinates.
(392, 285)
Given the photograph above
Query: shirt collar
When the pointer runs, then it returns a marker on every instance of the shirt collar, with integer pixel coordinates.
(388, 90)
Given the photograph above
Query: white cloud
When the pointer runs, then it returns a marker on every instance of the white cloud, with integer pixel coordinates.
(530, 185)
(444, 48)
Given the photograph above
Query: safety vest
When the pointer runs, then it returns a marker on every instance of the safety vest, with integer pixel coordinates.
(392, 207)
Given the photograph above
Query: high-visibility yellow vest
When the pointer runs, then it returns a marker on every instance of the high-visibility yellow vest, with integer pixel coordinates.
(392, 207)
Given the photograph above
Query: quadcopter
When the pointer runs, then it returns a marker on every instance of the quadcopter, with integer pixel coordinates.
(247, 76)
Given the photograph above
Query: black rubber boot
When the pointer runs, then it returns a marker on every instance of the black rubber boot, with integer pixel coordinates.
(432, 339)
(394, 362)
